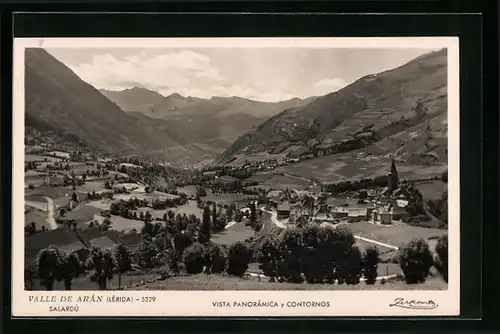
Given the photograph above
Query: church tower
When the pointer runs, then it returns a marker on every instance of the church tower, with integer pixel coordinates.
(392, 177)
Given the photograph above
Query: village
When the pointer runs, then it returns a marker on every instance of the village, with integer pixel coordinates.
(76, 201)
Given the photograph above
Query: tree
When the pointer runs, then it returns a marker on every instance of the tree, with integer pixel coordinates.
(253, 214)
(146, 252)
(292, 249)
(50, 266)
(194, 258)
(354, 265)
(441, 261)
(181, 241)
(205, 230)
(239, 257)
(73, 268)
(313, 253)
(415, 260)
(123, 261)
(103, 264)
(230, 211)
(214, 214)
(74, 197)
(268, 255)
(371, 260)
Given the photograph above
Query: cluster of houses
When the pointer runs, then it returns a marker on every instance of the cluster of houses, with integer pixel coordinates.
(381, 206)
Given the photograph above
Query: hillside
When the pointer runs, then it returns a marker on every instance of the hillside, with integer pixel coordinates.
(134, 99)
(58, 100)
(400, 112)
(213, 123)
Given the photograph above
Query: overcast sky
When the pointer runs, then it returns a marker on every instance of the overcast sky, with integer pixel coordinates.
(266, 74)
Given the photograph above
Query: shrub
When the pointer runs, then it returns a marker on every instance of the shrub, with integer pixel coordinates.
(441, 262)
(370, 264)
(194, 258)
(415, 260)
(239, 257)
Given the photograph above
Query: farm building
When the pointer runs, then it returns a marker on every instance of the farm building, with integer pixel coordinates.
(357, 214)
(382, 216)
(340, 212)
(283, 210)
(323, 217)
(274, 202)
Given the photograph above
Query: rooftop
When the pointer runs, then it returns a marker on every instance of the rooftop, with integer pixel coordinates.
(285, 206)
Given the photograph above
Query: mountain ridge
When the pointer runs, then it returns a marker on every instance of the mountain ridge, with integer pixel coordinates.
(56, 98)
(365, 112)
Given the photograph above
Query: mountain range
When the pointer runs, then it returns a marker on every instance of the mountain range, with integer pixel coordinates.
(401, 112)
(213, 123)
(56, 98)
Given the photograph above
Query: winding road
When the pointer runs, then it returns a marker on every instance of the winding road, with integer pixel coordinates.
(50, 214)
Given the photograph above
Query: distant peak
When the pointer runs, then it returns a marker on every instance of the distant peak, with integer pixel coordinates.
(175, 95)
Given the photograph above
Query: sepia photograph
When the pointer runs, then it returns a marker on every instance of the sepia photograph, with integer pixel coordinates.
(247, 171)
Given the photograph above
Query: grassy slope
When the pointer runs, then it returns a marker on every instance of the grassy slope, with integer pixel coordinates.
(223, 282)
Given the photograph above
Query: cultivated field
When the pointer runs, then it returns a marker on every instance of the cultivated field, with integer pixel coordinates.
(395, 234)
(225, 198)
(432, 190)
(275, 181)
(237, 232)
(188, 190)
(83, 213)
(37, 157)
(190, 208)
(90, 186)
(126, 225)
(38, 217)
(338, 167)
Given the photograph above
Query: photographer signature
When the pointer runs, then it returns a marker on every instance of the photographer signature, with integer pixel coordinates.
(414, 304)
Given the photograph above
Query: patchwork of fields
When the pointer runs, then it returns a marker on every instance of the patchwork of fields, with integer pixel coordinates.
(335, 168)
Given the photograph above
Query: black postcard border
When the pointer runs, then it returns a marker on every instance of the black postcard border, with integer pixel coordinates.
(472, 69)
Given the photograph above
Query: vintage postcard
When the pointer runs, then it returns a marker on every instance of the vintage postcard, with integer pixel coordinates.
(236, 177)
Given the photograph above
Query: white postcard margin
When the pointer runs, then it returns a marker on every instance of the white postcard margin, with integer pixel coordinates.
(208, 303)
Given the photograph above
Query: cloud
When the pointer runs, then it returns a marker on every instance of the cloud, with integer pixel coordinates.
(194, 74)
(325, 86)
(174, 70)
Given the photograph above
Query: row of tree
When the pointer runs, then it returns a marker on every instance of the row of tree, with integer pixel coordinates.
(325, 255)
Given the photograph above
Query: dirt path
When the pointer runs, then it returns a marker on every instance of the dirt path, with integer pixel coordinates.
(376, 242)
(362, 279)
(274, 218)
(229, 224)
(50, 214)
